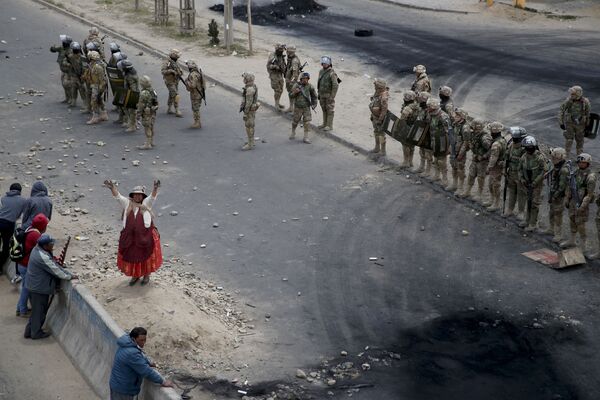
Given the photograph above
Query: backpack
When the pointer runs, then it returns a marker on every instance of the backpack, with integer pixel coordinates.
(16, 245)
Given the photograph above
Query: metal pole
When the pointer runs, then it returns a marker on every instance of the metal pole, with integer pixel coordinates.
(250, 26)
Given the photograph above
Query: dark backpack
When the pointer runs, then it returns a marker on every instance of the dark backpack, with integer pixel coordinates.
(16, 247)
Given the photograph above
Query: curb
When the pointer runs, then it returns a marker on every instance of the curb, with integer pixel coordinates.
(330, 135)
(421, 8)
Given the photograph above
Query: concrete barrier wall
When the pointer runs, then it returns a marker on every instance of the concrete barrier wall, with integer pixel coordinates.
(88, 335)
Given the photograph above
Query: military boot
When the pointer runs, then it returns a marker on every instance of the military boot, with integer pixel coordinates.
(569, 242)
(329, 126)
(306, 139)
(278, 105)
(495, 206)
(377, 147)
(382, 145)
(452, 187)
(461, 185)
(67, 95)
(467, 192)
(94, 120)
(427, 171)
(103, 115)
(324, 124)
(250, 144)
(196, 124)
(177, 112)
(405, 157)
(293, 134)
(421, 166)
(479, 194)
(557, 228)
(170, 109)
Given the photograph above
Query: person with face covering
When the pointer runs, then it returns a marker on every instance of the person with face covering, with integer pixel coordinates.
(139, 252)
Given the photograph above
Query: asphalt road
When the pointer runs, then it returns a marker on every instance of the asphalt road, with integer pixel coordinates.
(460, 310)
(517, 73)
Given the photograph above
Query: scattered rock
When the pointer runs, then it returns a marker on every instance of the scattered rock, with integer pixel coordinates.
(465, 233)
(300, 374)
(173, 213)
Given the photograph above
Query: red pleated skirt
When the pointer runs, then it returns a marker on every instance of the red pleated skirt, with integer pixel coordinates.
(150, 265)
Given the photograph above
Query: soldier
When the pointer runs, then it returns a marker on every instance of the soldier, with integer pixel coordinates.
(305, 100)
(558, 178)
(573, 117)
(276, 70)
(62, 50)
(495, 168)
(409, 113)
(74, 63)
(446, 102)
(131, 81)
(421, 83)
(171, 75)
(580, 193)
(194, 83)
(146, 109)
(86, 79)
(114, 59)
(97, 88)
(292, 72)
(439, 125)
(532, 170)
(425, 154)
(379, 110)
(480, 145)
(462, 135)
(327, 89)
(512, 183)
(94, 37)
(249, 106)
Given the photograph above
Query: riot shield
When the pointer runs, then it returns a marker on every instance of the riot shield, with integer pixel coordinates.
(591, 130)
(419, 134)
(439, 143)
(388, 123)
(115, 79)
(126, 98)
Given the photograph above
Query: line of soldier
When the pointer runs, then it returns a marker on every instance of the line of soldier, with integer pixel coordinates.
(451, 132)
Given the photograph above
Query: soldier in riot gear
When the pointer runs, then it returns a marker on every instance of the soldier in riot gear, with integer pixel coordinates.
(532, 170)
(462, 135)
(98, 88)
(421, 82)
(425, 154)
(409, 113)
(439, 126)
(580, 193)
(131, 81)
(146, 110)
(495, 168)
(327, 88)
(63, 49)
(194, 83)
(249, 106)
(94, 37)
(74, 64)
(172, 74)
(512, 183)
(446, 103)
(557, 183)
(305, 100)
(276, 69)
(292, 73)
(480, 145)
(379, 109)
(573, 118)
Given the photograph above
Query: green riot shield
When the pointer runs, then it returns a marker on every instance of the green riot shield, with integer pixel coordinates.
(115, 79)
(389, 122)
(439, 144)
(126, 98)
(419, 134)
(591, 130)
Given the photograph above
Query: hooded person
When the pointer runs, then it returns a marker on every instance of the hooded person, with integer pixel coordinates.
(139, 252)
(11, 209)
(38, 202)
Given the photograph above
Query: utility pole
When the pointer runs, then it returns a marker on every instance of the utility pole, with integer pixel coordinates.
(228, 12)
(250, 26)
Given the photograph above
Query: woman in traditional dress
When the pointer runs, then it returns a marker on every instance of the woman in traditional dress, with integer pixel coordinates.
(139, 252)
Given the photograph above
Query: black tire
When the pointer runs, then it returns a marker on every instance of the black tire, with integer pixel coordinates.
(363, 32)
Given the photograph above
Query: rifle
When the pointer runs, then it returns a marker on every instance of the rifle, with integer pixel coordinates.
(243, 105)
(303, 66)
(573, 184)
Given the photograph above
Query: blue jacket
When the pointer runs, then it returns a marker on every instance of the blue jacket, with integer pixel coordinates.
(130, 367)
(38, 202)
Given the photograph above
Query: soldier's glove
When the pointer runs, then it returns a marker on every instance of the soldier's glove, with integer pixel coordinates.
(562, 126)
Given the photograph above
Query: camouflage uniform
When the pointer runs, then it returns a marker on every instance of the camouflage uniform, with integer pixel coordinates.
(495, 168)
(585, 182)
(146, 108)
(196, 86)
(426, 155)
(327, 87)
(249, 106)
(532, 169)
(94, 37)
(439, 125)
(462, 135)
(421, 82)
(515, 191)
(131, 83)
(379, 109)
(97, 89)
(409, 113)
(558, 180)
(276, 70)
(292, 72)
(171, 73)
(480, 145)
(75, 67)
(62, 51)
(573, 117)
(304, 98)
(446, 102)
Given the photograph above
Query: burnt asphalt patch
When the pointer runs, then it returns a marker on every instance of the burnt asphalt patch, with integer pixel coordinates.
(273, 13)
